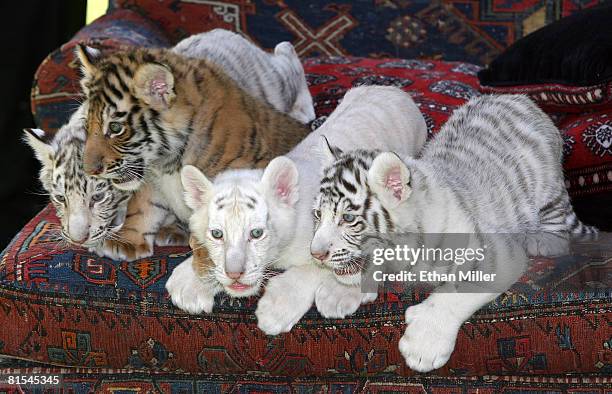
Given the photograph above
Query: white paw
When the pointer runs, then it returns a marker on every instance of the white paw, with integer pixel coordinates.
(188, 292)
(281, 306)
(336, 301)
(547, 244)
(429, 339)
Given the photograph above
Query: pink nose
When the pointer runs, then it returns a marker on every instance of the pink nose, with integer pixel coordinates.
(234, 275)
(320, 255)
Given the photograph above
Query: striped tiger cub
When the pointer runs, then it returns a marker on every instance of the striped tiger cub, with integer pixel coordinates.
(92, 211)
(146, 211)
(151, 111)
(495, 167)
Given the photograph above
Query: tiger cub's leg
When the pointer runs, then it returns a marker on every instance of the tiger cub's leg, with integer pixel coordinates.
(288, 296)
(172, 233)
(303, 108)
(192, 286)
(136, 238)
(558, 222)
(335, 300)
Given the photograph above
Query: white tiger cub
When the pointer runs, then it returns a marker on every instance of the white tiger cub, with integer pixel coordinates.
(88, 208)
(495, 167)
(251, 220)
(276, 78)
(92, 211)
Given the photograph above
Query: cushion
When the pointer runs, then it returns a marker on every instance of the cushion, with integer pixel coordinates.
(566, 65)
(55, 89)
(67, 307)
(587, 151)
(71, 308)
(459, 30)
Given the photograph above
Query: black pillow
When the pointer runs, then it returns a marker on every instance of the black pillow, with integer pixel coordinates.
(575, 51)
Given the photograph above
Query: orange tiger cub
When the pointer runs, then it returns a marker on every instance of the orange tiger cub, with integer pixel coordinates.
(151, 111)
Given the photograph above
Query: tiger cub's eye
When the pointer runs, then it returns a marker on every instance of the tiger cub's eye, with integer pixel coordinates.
(317, 213)
(98, 196)
(115, 127)
(59, 198)
(216, 234)
(256, 233)
(348, 218)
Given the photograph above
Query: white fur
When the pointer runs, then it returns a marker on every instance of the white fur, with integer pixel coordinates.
(368, 117)
(432, 193)
(277, 78)
(188, 291)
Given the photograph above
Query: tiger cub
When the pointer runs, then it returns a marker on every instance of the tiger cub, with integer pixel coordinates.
(495, 167)
(101, 214)
(250, 220)
(91, 211)
(151, 111)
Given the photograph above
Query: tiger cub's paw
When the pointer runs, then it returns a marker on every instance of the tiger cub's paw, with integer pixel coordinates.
(187, 291)
(172, 236)
(547, 244)
(281, 306)
(336, 301)
(429, 339)
(121, 250)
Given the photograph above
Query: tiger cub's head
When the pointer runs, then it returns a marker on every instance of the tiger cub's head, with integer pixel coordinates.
(127, 95)
(345, 210)
(243, 218)
(89, 209)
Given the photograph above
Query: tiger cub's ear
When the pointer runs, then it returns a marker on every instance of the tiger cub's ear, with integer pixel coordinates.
(154, 84)
(88, 57)
(39, 141)
(280, 181)
(327, 153)
(197, 187)
(389, 179)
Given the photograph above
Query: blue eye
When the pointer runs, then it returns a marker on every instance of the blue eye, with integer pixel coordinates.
(115, 127)
(216, 234)
(348, 218)
(256, 233)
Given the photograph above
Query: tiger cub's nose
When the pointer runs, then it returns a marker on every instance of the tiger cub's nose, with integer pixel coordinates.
(95, 169)
(319, 255)
(234, 275)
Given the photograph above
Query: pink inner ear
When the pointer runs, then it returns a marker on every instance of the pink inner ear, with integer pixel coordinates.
(393, 181)
(197, 194)
(283, 186)
(158, 86)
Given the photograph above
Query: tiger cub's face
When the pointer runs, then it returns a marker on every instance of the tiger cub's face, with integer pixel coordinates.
(89, 209)
(344, 211)
(126, 94)
(242, 218)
